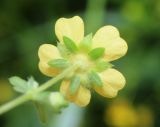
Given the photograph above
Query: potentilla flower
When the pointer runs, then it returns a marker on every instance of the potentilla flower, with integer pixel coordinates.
(120, 113)
(92, 55)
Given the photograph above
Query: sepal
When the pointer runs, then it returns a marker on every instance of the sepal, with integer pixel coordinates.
(70, 44)
(95, 79)
(96, 53)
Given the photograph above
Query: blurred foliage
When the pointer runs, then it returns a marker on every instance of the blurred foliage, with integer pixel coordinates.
(122, 114)
(6, 91)
(26, 24)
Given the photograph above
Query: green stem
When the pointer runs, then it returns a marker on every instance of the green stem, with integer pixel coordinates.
(28, 96)
(10, 105)
(94, 15)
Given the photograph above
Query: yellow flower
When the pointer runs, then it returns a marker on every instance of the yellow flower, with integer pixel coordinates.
(91, 54)
(122, 114)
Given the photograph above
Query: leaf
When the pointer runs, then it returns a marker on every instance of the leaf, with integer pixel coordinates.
(103, 65)
(19, 84)
(95, 79)
(96, 53)
(75, 84)
(70, 44)
(32, 83)
(86, 43)
(58, 63)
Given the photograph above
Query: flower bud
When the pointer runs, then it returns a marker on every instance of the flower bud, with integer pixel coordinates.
(57, 100)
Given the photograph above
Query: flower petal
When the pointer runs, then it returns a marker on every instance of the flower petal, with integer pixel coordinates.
(81, 97)
(108, 37)
(47, 70)
(46, 53)
(113, 81)
(64, 89)
(71, 27)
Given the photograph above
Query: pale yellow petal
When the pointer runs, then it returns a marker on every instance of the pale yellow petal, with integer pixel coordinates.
(113, 81)
(81, 97)
(47, 70)
(64, 89)
(114, 78)
(109, 38)
(106, 91)
(48, 52)
(70, 27)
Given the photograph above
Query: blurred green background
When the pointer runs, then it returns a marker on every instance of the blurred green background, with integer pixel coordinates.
(26, 24)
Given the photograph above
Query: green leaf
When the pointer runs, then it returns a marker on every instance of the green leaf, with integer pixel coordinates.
(75, 84)
(96, 53)
(32, 83)
(86, 43)
(58, 63)
(95, 79)
(19, 84)
(70, 44)
(103, 65)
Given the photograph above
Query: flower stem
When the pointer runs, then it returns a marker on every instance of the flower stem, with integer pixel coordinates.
(29, 95)
(94, 15)
(10, 105)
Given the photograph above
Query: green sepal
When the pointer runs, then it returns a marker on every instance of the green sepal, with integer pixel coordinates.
(70, 44)
(86, 43)
(58, 63)
(63, 50)
(19, 84)
(96, 53)
(103, 65)
(75, 84)
(95, 79)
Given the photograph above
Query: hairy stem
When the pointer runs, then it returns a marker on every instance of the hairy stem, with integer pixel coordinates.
(29, 95)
